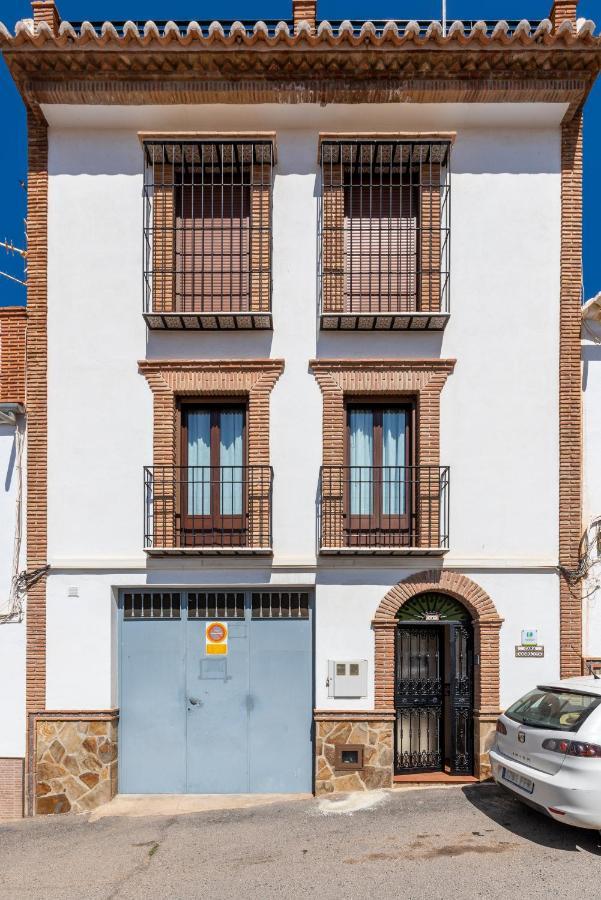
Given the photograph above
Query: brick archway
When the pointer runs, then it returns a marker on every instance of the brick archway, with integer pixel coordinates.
(487, 624)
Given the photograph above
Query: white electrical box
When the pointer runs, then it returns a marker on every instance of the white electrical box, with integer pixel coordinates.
(347, 678)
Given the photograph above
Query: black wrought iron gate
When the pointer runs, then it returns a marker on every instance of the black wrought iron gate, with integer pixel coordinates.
(433, 699)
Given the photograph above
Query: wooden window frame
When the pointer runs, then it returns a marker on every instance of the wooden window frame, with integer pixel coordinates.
(201, 528)
(358, 525)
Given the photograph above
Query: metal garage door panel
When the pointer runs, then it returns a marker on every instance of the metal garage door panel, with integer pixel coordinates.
(280, 728)
(217, 737)
(152, 750)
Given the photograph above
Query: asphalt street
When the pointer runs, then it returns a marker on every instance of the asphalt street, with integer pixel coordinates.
(471, 841)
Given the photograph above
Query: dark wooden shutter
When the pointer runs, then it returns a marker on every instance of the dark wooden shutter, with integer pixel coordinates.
(213, 247)
(380, 271)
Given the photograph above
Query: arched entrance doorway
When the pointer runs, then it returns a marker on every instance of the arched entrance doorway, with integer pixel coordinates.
(434, 686)
(485, 623)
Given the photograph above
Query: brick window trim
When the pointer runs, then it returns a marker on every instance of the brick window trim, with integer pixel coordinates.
(423, 379)
(486, 621)
(13, 336)
(171, 380)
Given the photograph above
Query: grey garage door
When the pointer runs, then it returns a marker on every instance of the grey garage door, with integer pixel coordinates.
(232, 715)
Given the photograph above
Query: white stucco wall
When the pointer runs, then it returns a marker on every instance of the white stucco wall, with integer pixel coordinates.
(499, 412)
(82, 672)
(591, 381)
(12, 634)
(499, 409)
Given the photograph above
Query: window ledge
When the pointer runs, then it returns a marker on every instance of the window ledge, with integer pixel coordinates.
(412, 321)
(209, 551)
(383, 551)
(226, 321)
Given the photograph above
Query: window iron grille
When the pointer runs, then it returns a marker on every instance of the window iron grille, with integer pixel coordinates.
(215, 605)
(151, 605)
(385, 233)
(280, 605)
(207, 233)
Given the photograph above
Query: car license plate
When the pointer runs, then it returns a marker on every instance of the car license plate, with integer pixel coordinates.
(524, 783)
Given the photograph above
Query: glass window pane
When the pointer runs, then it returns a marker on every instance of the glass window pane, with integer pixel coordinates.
(394, 425)
(361, 424)
(230, 460)
(199, 462)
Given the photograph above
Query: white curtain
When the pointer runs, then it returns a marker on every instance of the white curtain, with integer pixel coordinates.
(230, 460)
(199, 462)
(361, 460)
(393, 461)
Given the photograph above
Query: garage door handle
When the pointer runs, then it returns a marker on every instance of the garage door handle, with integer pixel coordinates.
(194, 701)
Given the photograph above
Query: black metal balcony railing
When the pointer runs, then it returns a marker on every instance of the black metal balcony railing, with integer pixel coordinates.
(394, 509)
(207, 509)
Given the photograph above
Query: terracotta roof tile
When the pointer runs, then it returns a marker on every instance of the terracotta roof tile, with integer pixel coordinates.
(392, 33)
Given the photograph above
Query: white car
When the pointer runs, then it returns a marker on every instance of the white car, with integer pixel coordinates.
(547, 750)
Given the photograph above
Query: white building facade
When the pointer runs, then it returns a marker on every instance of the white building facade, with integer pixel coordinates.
(303, 409)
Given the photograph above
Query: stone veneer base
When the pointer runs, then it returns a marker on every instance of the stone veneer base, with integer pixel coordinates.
(373, 731)
(75, 756)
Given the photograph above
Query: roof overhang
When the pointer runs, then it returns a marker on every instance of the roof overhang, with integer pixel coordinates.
(139, 65)
(9, 413)
(592, 309)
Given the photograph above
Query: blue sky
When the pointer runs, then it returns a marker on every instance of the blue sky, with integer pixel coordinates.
(13, 159)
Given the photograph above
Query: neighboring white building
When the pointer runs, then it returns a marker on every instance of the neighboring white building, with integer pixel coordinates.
(591, 383)
(12, 623)
(303, 409)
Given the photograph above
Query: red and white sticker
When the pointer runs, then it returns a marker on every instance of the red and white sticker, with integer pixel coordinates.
(216, 638)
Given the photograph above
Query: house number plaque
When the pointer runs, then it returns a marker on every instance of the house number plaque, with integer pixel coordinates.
(524, 652)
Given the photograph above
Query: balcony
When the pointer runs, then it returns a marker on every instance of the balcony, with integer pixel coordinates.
(385, 234)
(385, 510)
(207, 234)
(208, 510)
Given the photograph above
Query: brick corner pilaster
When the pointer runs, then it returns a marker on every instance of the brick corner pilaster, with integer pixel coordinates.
(46, 11)
(563, 11)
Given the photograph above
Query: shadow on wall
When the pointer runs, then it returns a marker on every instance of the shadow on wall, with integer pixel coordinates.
(159, 574)
(501, 807)
(8, 431)
(504, 151)
(208, 344)
(590, 354)
(384, 345)
(372, 572)
(73, 152)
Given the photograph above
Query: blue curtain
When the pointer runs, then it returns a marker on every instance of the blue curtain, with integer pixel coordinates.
(361, 459)
(394, 424)
(199, 462)
(230, 460)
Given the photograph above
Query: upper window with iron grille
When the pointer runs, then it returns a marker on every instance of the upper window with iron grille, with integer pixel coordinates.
(207, 227)
(385, 220)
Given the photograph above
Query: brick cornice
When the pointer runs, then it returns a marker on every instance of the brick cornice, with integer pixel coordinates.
(219, 89)
(172, 378)
(420, 378)
(210, 365)
(352, 374)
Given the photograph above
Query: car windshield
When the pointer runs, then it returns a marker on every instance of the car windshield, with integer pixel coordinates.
(554, 709)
